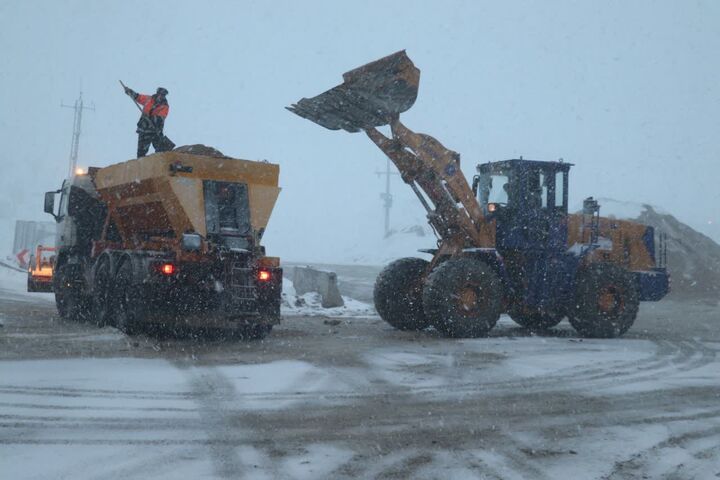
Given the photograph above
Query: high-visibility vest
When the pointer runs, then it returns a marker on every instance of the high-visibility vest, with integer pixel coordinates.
(151, 108)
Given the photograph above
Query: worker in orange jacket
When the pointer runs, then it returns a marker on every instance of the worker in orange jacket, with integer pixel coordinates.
(150, 126)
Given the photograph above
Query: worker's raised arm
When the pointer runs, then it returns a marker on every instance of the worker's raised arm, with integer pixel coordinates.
(129, 92)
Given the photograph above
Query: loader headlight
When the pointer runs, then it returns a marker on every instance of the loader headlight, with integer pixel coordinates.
(191, 241)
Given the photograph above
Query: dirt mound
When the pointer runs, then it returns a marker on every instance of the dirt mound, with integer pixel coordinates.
(693, 258)
(200, 149)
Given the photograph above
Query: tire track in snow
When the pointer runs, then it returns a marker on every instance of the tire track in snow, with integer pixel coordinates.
(649, 459)
(213, 392)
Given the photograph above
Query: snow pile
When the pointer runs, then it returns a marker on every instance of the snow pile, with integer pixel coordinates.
(310, 305)
(693, 259)
(621, 210)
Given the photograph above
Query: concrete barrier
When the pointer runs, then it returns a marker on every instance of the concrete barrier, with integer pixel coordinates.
(308, 279)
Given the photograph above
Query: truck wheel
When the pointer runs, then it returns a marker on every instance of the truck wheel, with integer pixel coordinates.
(398, 294)
(535, 320)
(606, 301)
(101, 294)
(462, 297)
(126, 301)
(70, 302)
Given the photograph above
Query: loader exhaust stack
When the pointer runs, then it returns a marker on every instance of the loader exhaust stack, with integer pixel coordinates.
(370, 96)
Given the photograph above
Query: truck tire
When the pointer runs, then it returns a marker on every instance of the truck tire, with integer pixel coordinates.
(71, 303)
(398, 294)
(535, 320)
(463, 298)
(102, 286)
(606, 301)
(127, 301)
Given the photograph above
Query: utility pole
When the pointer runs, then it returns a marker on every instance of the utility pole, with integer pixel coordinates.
(77, 125)
(387, 196)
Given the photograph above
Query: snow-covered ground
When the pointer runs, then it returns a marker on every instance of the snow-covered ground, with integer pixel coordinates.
(355, 398)
(159, 418)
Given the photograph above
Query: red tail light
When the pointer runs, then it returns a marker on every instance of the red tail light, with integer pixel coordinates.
(263, 275)
(167, 268)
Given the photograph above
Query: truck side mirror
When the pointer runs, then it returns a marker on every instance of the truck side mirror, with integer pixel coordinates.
(50, 203)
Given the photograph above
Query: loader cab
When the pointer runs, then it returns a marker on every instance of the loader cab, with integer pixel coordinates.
(528, 199)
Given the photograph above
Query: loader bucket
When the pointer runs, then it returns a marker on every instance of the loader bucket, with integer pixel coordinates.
(370, 96)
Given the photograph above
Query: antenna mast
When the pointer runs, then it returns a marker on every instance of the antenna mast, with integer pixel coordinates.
(77, 128)
(387, 196)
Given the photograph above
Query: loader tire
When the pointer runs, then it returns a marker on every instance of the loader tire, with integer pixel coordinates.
(71, 303)
(102, 286)
(398, 294)
(127, 301)
(463, 298)
(535, 320)
(606, 301)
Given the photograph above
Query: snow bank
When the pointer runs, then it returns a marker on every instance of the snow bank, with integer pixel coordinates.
(310, 304)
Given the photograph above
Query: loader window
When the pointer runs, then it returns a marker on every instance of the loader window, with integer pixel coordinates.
(495, 189)
(535, 194)
(560, 189)
(543, 190)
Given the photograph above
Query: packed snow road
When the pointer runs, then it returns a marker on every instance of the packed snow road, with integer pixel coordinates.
(349, 397)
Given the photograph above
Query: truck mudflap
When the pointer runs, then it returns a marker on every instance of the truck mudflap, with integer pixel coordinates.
(653, 284)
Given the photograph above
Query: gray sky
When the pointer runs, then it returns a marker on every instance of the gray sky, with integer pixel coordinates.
(628, 91)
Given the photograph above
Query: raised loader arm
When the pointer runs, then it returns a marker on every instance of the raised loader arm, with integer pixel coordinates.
(430, 168)
(374, 95)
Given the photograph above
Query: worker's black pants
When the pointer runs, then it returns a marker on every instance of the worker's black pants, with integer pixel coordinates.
(144, 141)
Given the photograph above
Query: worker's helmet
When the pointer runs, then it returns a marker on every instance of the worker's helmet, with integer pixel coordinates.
(161, 90)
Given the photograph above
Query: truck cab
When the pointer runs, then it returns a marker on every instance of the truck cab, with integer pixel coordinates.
(79, 214)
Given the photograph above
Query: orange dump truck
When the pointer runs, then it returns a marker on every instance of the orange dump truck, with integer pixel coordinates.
(171, 240)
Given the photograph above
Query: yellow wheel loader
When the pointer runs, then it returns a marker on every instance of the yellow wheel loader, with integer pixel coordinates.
(506, 243)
